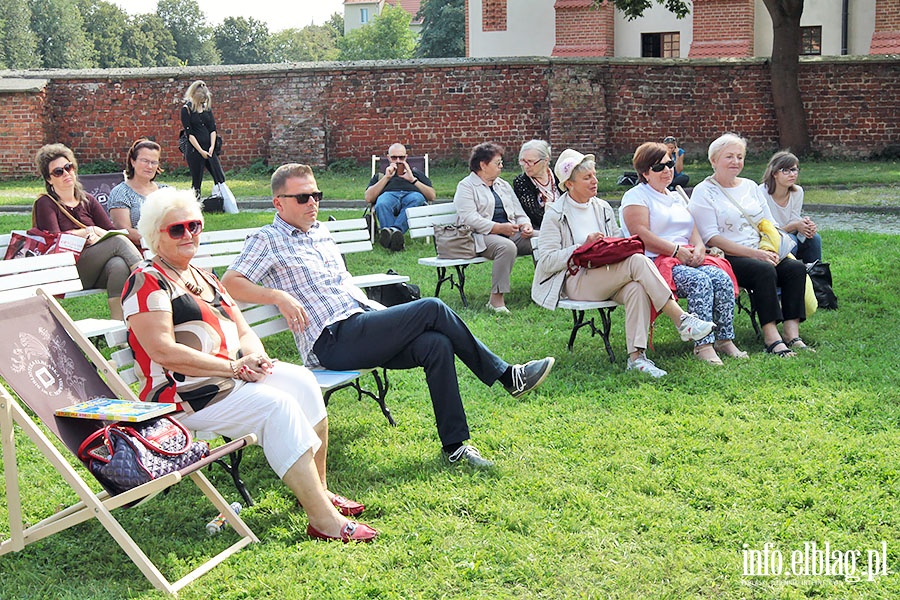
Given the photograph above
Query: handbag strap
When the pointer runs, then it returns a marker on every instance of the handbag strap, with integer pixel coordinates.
(137, 435)
(733, 201)
(62, 207)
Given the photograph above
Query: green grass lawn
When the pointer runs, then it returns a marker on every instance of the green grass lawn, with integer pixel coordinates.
(826, 182)
(608, 484)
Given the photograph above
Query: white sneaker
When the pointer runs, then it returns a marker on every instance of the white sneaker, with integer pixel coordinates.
(471, 455)
(694, 328)
(644, 365)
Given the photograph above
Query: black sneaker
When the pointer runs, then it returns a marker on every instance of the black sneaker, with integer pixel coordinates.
(384, 237)
(530, 375)
(396, 243)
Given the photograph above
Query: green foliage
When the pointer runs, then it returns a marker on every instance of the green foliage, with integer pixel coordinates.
(188, 25)
(311, 44)
(59, 28)
(105, 25)
(387, 37)
(336, 22)
(443, 29)
(148, 43)
(243, 41)
(634, 9)
(343, 165)
(18, 43)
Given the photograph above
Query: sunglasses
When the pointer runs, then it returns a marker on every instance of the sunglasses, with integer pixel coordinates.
(397, 157)
(58, 171)
(176, 230)
(303, 198)
(658, 167)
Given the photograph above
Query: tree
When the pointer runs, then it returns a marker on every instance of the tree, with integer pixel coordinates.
(104, 25)
(243, 41)
(61, 41)
(18, 44)
(336, 22)
(793, 131)
(193, 36)
(387, 37)
(443, 29)
(313, 43)
(148, 43)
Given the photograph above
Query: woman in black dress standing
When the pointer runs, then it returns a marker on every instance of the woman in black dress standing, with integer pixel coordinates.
(200, 129)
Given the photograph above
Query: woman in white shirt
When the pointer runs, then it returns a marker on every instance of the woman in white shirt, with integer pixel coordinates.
(726, 209)
(662, 220)
(785, 199)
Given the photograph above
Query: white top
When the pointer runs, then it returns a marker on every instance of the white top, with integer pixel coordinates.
(714, 214)
(787, 214)
(584, 221)
(670, 218)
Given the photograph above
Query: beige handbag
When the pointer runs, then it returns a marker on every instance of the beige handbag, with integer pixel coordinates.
(454, 241)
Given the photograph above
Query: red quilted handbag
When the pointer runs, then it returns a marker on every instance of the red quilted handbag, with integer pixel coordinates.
(604, 251)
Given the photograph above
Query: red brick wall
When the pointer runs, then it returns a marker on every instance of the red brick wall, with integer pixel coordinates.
(886, 38)
(584, 30)
(23, 129)
(722, 28)
(493, 15)
(444, 107)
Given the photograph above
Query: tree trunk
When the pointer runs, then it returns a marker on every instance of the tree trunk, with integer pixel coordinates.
(793, 132)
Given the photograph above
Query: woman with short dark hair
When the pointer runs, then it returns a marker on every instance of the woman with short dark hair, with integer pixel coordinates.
(141, 169)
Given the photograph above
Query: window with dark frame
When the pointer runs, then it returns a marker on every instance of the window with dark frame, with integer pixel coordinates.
(661, 45)
(811, 40)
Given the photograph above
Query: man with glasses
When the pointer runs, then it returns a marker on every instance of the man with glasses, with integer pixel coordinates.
(392, 193)
(295, 265)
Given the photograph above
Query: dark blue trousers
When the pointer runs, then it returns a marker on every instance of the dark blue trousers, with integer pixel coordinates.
(423, 333)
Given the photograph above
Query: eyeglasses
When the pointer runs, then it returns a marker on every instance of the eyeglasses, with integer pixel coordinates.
(790, 170)
(148, 162)
(176, 230)
(530, 163)
(58, 171)
(303, 198)
(658, 167)
(398, 157)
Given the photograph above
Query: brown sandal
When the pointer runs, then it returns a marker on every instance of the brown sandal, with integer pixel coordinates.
(728, 348)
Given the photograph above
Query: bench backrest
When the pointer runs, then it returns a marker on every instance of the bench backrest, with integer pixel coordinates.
(99, 185)
(55, 273)
(422, 219)
(419, 163)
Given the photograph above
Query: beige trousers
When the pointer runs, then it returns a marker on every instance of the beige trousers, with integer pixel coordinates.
(635, 283)
(503, 252)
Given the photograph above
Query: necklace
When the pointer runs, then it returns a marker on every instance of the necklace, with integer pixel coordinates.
(193, 288)
(546, 191)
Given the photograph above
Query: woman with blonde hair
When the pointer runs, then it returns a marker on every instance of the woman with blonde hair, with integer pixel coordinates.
(200, 128)
(105, 262)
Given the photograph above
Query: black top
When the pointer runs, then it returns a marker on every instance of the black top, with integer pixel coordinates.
(529, 197)
(198, 124)
(398, 184)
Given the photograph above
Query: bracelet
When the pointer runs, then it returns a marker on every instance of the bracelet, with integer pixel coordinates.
(234, 369)
(677, 248)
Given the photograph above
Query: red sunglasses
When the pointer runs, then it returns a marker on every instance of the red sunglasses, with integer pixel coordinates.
(176, 230)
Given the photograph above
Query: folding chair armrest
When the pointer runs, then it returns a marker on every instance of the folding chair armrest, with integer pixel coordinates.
(220, 452)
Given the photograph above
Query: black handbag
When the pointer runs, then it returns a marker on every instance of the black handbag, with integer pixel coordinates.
(820, 274)
(125, 455)
(393, 294)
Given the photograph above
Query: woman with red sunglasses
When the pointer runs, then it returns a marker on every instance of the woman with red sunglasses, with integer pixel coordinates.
(66, 207)
(193, 348)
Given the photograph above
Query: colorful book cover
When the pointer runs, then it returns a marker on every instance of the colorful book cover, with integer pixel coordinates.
(113, 409)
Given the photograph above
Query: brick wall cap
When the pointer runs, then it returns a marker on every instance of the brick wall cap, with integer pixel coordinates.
(16, 85)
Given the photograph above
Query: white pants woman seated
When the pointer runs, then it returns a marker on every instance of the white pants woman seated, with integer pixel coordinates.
(578, 217)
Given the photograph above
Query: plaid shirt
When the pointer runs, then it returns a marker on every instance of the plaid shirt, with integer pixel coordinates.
(308, 266)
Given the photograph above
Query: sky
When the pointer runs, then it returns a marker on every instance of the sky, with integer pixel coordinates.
(277, 14)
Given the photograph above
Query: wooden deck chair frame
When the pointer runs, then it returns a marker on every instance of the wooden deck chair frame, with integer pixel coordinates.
(379, 164)
(82, 384)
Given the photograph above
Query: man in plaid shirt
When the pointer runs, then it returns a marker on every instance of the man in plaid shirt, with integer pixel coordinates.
(294, 264)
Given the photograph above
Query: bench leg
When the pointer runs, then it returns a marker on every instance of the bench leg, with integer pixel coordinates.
(606, 320)
(382, 385)
(458, 282)
(441, 278)
(232, 467)
(578, 322)
(751, 310)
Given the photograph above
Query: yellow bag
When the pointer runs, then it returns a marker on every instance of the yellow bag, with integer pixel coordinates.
(769, 238)
(809, 298)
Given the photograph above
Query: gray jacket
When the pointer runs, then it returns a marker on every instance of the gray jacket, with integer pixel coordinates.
(556, 245)
(474, 204)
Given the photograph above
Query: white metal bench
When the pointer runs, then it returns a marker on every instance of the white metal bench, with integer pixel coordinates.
(422, 220)
(57, 275)
(579, 308)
